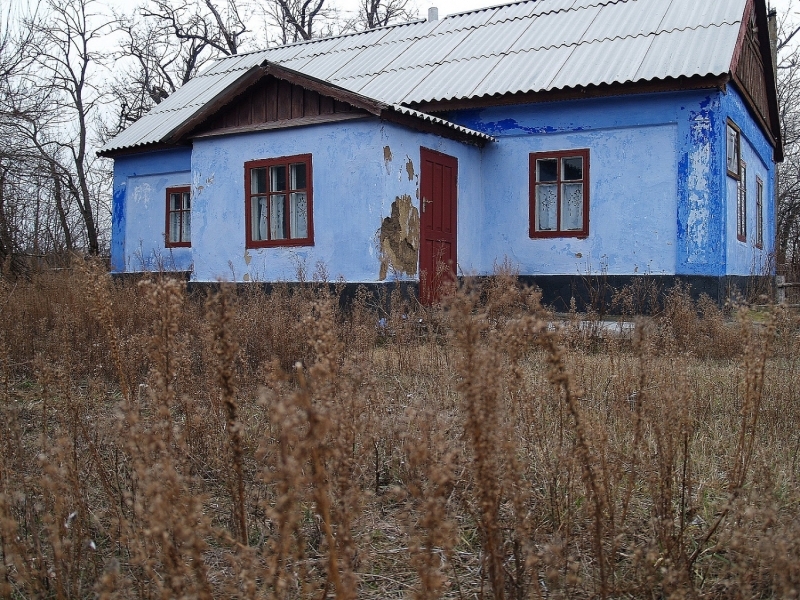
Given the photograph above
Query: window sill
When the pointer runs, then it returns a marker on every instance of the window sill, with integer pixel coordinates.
(546, 235)
(279, 244)
(178, 245)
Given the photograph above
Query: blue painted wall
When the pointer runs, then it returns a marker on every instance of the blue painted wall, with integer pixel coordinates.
(657, 200)
(354, 185)
(139, 210)
(660, 199)
(743, 258)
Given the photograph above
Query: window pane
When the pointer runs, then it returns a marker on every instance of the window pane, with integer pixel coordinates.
(546, 169)
(186, 226)
(733, 147)
(174, 227)
(276, 216)
(297, 175)
(741, 203)
(277, 178)
(174, 202)
(298, 215)
(572, 207)
(572, 169)
(759, 213)
(546, 210)
(258, 218)
(187, 201)
(258, 181)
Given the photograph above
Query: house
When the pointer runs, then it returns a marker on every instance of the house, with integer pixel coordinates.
(570, 137)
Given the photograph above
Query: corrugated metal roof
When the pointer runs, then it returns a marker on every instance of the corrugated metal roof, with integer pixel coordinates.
(527, 46)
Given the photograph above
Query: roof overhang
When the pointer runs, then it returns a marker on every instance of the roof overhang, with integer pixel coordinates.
(392, 113)
(771, 123)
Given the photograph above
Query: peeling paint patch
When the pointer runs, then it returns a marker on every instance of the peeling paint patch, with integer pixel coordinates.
(247, 257)
(399, 238)
(698, 221)
(410, 168)
(387, 158)
(246, 277)
(141, 194)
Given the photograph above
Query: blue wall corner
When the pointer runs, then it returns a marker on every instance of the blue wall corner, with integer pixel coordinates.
(127, 169)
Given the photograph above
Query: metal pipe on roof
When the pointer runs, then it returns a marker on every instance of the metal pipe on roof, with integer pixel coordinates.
(433, 14)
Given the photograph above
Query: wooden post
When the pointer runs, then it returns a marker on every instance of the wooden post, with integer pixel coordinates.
(780, 282)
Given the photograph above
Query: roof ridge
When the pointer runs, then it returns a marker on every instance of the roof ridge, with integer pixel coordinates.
(325, 39)
(407, 23)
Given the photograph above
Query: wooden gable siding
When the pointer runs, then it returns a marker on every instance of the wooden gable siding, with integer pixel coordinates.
(270, 100)
(750, 71)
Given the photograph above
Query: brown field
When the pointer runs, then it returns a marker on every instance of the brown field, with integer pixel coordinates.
(159, 445)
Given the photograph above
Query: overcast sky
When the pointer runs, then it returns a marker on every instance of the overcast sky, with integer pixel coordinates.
(447, 7)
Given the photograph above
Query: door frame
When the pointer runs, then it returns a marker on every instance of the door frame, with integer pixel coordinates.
(428, 295)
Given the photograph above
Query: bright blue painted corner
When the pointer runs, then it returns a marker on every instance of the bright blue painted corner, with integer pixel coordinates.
(137, 215)
(701, 226)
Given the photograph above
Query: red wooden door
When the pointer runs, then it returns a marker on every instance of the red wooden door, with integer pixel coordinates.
(438, 201)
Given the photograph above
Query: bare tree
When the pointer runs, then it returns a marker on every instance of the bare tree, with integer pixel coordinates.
(151, 64)
(380, 13)
(67, 62)
(203, 22)
(788, 189)
(15, 57)
(297, 19)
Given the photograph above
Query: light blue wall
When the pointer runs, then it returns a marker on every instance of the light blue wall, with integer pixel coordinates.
(353, 190)
(743, 258)
(660, 199)
(139, 210)
(656, 201)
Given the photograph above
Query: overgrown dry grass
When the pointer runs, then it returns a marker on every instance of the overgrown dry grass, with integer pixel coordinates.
(155, 445)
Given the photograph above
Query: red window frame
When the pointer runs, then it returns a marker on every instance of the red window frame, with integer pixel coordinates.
(249, 195)
(558, 155)
(183, 189)
(759, 213)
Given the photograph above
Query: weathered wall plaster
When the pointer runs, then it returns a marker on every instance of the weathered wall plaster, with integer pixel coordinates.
(633, 143)
(743, 258)
(362, 171)
(138, 214)
(660, 201)
(399, 239)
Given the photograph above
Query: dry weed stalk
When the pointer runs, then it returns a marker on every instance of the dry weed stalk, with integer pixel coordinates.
(225, 350)
(431, 532)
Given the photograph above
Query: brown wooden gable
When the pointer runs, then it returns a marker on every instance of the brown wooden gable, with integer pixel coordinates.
(275, 103)
(753, 72)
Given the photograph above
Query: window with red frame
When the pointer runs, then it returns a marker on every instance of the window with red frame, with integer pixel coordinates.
(278, 202)
(179, 217)
(733, 149)
(559, 194)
